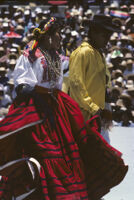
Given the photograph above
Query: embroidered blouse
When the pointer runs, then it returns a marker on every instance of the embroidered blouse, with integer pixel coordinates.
(34, 72)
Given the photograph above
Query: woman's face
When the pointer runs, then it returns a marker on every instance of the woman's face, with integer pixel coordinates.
(56, 39)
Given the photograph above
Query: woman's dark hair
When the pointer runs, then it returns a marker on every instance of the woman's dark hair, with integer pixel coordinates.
(54, 27)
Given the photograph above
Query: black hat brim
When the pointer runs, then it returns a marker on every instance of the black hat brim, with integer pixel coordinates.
(112, 28)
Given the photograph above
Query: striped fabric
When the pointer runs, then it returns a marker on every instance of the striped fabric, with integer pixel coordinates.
(76, 162)
(119, 14)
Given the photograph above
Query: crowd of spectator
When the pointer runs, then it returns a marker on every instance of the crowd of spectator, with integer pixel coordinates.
(17, 24)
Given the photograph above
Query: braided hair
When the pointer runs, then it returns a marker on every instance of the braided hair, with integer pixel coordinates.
(45, 27)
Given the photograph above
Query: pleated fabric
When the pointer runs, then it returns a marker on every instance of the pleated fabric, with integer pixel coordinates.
(76, 162)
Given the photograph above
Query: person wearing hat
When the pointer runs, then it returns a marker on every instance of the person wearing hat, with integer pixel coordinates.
(3, 75)
(9, 89)
(20, 29)
(129, 67)
(87, 68)
(115, 93)
(129, 84)
(130, 77)
(5, 99)
(122, 66)
(127, 100)
(116, 57)
(120, 81)
(12, 55)
(11, 66)
(117, 73)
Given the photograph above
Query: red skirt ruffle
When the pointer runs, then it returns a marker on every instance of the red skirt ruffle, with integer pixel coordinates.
(76, 162)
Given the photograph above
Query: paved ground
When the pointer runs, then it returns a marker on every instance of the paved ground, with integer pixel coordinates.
(123, 139)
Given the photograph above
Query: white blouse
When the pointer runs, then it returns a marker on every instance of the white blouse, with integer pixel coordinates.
(32, 73)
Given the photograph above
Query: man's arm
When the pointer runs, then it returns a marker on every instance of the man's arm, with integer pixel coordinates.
(78, 91)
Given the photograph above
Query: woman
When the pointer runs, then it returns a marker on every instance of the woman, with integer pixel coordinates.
(47, 152)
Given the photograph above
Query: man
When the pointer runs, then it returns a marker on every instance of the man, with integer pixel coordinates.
(88, 74)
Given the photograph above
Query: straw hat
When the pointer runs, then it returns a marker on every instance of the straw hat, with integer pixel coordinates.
(116, 53)
(125, 96)
(74, 33)
(112, 105)
(5, 24)
(25, 39)
(131, 12)
(129, 62)
(104, 21)
(19, 27)
(20, 9)
(20, 20)
(3, 69)
(129, 84)
(89, 12)
(123, 37)
(12, 62)
(123, 108)
(119, 81)
(17, 15)
(12, 56)
(110, 65)
(113, 5)
(130, 91)
(75, 12)
(2, 49)
(119, 103)
(11, 82)
(128, 56)
(118, 73)
(113, 38)
(117, 89)
(123, 63)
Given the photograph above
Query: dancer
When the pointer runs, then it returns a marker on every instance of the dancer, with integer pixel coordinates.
(46, 150)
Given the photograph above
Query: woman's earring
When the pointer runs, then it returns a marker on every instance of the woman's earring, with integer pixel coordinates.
(50, 40)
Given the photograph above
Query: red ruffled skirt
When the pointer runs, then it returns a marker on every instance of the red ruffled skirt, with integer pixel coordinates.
(76, 162)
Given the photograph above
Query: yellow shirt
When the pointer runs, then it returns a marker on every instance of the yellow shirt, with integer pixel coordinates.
(87, 78)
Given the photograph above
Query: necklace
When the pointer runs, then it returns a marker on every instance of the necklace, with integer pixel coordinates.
(54, 67)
